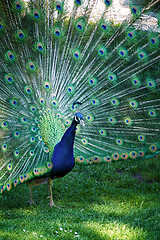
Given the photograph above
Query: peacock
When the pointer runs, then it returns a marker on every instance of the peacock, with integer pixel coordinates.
(62, 160)
(76, 86)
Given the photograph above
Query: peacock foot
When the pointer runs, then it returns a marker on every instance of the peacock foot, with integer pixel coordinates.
(31, 202)
(51, 204)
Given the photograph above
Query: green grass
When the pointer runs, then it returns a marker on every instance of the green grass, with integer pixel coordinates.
(116, 200)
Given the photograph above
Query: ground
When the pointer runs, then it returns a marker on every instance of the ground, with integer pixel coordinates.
(117, 200)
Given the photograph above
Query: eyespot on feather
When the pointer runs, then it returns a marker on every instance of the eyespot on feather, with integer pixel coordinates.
(153, 148)
(67, 122)
(79, 26)
(95, 101)
(84, 141)
(96, 159)
(14, 102)
(23, 120)
(33, 129)
(10, 56)
(112, 77)
(21, 178)
(59, 6)
(42, 101)
(133, 154)
(135, 10)
(152, 113)
(31, 66)
(78, 2)
(31, 153)
(49, 165)
(141, 138)
(15, 183)
(46, 149)
(136, 82)
(57, 32)
(80, 159)
(18, 6)
(124, 156)
(76, 54)
(16, 153)
(55, 103)
(133, 103)
(128, 121)
(141, 153)
(28, 90)
(9, 186)
(102, 132)
(108, 3)
(2, 189)
(47, 86)
(32, 139)
(92, 81)
(115, 156)
(4, 124)
(1, 26)
(114, 102)
(102, 51)
(9, 78)
(104, 26)
(107, 159)
(35, 15)
(89, 118)
(142, 55)
(112, 120)
(119, 142)
(151, 84)
(36, 172)
(39, 46)
(20, 35)
(4, 147)
(16, 134)
(33, 109)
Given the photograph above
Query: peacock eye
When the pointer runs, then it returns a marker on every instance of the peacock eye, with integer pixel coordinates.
(134, 10)
(104, 27)
(11, 56)
(18, 6)
(79, 26)
(58, 7)
(57, 33)
(40, 48)
(130, 35)
(36, 15)
(78, 2)
(108, 2)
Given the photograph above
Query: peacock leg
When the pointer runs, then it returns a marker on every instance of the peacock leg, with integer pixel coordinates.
(31, 201)
(50, 183)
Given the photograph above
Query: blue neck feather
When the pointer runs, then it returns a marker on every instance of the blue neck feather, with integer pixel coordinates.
(69, 135)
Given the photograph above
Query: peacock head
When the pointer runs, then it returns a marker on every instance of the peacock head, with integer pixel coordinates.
(79, 118)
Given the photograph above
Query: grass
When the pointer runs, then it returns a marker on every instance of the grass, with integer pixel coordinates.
(116, 200)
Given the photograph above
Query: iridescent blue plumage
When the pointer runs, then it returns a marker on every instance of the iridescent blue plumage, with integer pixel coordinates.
(62, 157)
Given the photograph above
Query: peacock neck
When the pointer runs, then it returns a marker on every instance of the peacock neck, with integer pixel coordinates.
(69, 135)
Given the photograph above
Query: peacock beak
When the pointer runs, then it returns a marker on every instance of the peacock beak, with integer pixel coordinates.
(82, 122)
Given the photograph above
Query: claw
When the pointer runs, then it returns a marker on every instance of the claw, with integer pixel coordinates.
(31, 203)
(51, 204)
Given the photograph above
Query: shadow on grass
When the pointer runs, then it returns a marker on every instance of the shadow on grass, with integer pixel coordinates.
(98, 202)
